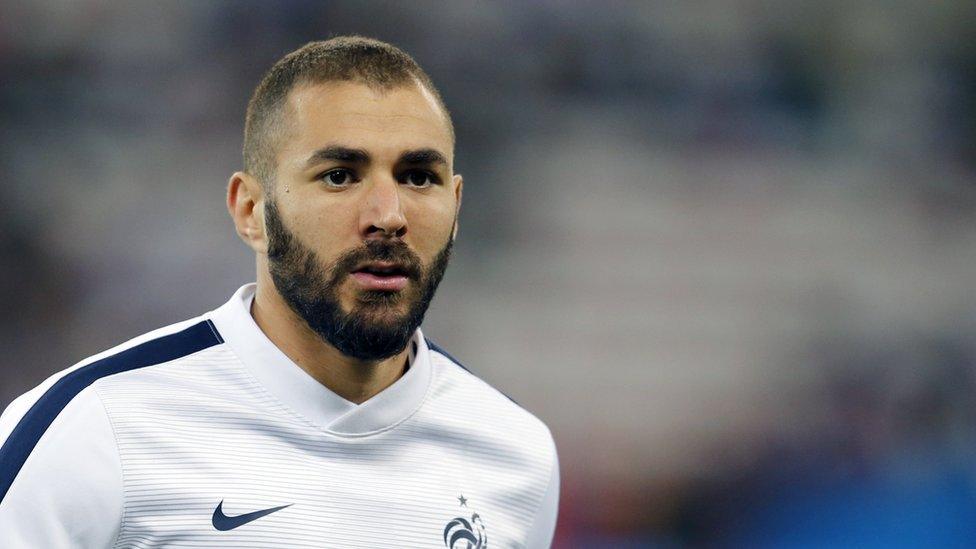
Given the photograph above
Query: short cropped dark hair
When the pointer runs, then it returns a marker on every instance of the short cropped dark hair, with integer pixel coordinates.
(343, 58)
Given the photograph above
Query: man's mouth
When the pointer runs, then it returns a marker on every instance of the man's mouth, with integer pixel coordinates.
(382, 276)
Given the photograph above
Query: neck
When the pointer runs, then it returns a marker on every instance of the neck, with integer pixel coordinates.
(354, 380)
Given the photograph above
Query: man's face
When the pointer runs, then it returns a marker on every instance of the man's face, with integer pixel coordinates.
(362, 215)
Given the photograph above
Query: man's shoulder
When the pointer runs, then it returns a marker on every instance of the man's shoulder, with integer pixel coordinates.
(467, 394)
(160, 346)
(65, 410)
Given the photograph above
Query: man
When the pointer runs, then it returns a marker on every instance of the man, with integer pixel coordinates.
(309, 410)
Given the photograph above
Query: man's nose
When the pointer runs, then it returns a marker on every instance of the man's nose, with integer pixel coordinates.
(382, 214)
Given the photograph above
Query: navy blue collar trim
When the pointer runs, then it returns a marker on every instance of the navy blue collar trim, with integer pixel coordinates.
(437, 348)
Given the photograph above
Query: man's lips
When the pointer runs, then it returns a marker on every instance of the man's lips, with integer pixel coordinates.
(382, 276)
(385, 283)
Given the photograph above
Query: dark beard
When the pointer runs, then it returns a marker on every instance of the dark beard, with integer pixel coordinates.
(370, 331)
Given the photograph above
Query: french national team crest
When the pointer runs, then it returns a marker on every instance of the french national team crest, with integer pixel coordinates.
(465, 533)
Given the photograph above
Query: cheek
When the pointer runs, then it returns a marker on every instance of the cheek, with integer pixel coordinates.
(323, 228)
(431, 227)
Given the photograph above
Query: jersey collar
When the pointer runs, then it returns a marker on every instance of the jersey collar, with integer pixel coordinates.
(291, 385)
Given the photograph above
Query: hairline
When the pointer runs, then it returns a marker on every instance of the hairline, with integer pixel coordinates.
(276, 122)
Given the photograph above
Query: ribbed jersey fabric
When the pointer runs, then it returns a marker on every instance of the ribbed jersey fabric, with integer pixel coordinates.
(202, 444)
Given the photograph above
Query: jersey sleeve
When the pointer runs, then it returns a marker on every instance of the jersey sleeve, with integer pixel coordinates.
(544, 528)
(66, 490)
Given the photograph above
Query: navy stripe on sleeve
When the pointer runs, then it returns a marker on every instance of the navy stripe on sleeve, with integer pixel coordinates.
(36, 421)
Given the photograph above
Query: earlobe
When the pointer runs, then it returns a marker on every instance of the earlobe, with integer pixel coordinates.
(244, 204)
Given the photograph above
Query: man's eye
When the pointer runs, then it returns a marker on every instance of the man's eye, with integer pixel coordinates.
(337, 178)
(419, 178)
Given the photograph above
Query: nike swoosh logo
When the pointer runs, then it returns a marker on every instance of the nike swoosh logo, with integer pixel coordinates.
(223, 523)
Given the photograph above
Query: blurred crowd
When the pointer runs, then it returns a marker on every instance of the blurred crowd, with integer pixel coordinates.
(726, 250)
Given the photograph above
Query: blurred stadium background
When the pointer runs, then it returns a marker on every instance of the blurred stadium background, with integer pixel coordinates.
(725, 249)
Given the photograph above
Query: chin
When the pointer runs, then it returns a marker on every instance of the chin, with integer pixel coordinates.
(379, 304)
(381, 316)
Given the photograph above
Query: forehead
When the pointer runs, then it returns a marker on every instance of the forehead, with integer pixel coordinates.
(352, 114)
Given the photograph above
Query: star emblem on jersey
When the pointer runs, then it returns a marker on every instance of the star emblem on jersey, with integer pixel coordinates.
(465, 533)
(223, 522)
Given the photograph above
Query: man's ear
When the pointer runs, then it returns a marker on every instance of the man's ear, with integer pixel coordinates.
(245, 203)
(458, 191)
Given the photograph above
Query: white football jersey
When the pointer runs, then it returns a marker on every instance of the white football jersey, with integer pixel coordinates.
(204, 434)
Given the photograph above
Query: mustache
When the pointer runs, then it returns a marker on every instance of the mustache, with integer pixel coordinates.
(394, 251)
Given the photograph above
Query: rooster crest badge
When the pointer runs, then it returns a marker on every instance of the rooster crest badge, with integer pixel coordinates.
(465, 533)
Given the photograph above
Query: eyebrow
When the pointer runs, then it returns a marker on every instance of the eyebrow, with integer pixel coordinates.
(423, 156)
(338, 153)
